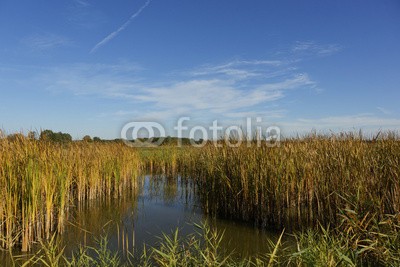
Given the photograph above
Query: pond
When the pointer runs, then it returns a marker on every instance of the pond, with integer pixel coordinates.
(158, 205)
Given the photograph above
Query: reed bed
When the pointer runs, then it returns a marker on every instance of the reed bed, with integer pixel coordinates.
(40, 181)
(358, 241)
(342, 181)
(301, 182)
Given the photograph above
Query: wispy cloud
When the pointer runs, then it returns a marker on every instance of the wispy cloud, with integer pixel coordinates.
(266, 114)
(214, 96)
(103, 80)
(296, 81)
(46, 41)
(313, 48)
(84, 15)
(82, 3)
(228, 92)
(208, 94)
(120, 29)
(384, 110)
(368, 122)
(223, 91)
(241, 69)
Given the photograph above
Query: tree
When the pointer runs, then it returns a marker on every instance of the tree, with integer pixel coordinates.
(48, 135)
(87, 138)
(63, 137)
(96, 139)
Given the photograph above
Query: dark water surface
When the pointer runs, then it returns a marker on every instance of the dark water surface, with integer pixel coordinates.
(159, 205)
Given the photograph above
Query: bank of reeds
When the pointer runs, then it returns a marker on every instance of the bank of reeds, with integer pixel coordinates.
(202, 248)
(40, 181)
(357, 241)
(303, 181)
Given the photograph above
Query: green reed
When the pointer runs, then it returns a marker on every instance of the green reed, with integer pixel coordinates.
(301, 182)
(40, 181)
(359, 241)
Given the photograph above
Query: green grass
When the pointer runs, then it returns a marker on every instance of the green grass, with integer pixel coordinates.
(357, 242)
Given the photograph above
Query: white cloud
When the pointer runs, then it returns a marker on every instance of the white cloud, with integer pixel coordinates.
(103, 80)
(82, 3)
(311, 47)
(219, 96)
(269, 114)
(227, 92)
(185, 94)
(299, 80)
(46, 41)
(384, 110)
(368, 122)
(240, 69)
(212, 95)
(84, 15)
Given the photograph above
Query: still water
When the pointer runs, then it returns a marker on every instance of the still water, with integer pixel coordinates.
(158, 205)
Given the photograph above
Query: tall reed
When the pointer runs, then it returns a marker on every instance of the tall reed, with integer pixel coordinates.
(300, 182)
(40, 181)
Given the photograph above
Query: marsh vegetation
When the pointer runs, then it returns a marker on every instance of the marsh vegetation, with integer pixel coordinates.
(337, 196)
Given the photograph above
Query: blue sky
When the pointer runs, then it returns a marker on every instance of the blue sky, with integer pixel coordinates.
(90, 66)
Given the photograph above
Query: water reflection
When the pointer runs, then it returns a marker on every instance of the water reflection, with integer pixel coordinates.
(160, 204)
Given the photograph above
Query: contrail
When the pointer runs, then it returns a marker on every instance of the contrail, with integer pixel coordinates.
(120, 29)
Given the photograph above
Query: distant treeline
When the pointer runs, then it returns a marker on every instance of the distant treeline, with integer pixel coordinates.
(60, 137)
(57, 137)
